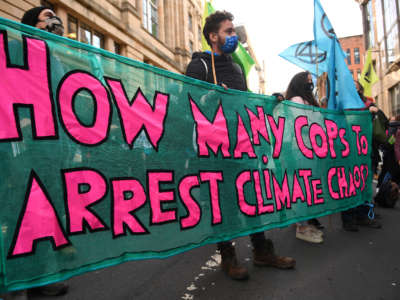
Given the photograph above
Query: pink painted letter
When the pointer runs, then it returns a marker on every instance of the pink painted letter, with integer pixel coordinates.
(71, 85)
(39, 221)
(213, 135)
(241, 180)
(157, 197)
(298, 125)
(124, 208)
(139, 114)
(258, 125)
(194, 211)
(213, 178)
(79, 201)
(243, 143)
(28, 86)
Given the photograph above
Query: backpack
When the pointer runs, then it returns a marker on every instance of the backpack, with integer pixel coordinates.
(235, 66)
(388, 147)
(380, 124)
(388, 193)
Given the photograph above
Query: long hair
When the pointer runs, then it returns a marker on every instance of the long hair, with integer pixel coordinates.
(360, 90)
(298, 87)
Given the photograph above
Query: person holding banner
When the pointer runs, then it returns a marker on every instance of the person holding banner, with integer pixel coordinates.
(300, 91)
(216, 66)
(359, 215)
(44, 18)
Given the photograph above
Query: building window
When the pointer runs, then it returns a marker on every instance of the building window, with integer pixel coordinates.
(390, 13)
(393, 44)
(391, 30)
(356, 56)
(348, 53)
(370, 21)
(191, 47)
(150, 16)
(190, 22)
(72, 28)
(383, 56)
(394, 94)
(117, 48)
(379, 20)
(91, 37)
(199, 33)
(84, 33)
(388, 31)
(97, 39)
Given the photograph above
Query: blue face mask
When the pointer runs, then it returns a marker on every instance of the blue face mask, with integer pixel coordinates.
(230, 45)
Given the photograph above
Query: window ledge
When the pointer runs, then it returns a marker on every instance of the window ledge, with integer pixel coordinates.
(394, 66)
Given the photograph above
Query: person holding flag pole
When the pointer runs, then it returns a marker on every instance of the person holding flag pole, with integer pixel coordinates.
(239, 56)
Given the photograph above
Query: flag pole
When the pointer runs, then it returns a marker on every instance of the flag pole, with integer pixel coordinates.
(316, 66)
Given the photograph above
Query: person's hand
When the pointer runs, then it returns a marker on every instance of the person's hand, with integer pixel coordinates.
(224, 86)
(373, 109)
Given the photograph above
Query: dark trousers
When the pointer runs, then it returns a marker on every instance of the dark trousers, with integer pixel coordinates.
(257, 240)
(359, 212)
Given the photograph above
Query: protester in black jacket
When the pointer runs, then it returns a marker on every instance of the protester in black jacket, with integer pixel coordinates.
(228, 73)
(216, 66)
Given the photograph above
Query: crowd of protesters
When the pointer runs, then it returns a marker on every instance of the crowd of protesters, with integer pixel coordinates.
(216, 66)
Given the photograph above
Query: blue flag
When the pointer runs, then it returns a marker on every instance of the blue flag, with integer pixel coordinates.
(323, 30)
(341, 89)
(308, 57)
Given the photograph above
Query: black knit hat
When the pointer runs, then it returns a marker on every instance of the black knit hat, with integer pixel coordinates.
(31, 16)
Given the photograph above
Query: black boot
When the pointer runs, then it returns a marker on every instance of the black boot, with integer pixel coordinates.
(230, 265)
(264, 256)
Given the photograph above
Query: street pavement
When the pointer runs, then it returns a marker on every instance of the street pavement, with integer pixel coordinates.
(362, 265)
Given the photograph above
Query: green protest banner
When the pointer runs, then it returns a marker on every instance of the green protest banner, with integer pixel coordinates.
(105, 159)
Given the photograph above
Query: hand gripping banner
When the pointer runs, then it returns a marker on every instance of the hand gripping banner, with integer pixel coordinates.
(105, 159)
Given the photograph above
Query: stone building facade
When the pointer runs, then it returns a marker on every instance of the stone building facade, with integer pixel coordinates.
(381, 23)
(163, 33)
(353, 46)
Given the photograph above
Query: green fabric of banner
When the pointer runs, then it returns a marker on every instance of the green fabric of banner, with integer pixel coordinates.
(108, 160)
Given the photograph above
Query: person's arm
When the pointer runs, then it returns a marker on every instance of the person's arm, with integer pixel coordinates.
(238, 69)
(244, 80)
